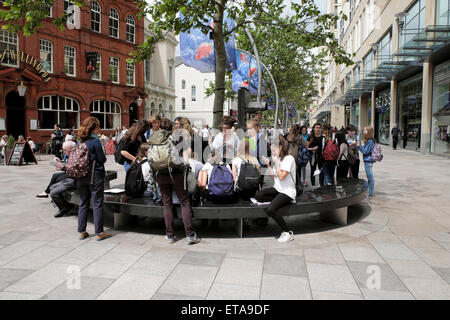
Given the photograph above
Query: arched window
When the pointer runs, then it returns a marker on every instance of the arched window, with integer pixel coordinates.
(160, 110)
(96, 13)
(183, 104)
(183, 84)
(170, 112)
(58, 110)
(113, 23)
(193, 93)
(130, 29)
(152, 108)
(107, 112)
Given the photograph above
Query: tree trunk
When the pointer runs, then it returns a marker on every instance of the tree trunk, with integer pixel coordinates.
(221, 59)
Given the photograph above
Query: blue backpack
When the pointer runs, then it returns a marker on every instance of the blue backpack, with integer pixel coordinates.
(221, 182)
(302, 156)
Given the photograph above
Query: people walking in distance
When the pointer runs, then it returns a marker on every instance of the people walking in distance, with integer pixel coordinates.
(330, 154)
(395, 132)
(366, 150)
(283, 172)
(133, 138)
(342, 163)
(57, 141)
(91, 187)
(315, 145)
(303, 156)
(353, 153)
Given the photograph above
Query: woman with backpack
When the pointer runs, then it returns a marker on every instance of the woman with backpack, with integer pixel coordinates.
(330, 155)
(303, 155)
(246, 171)
(284, 190)
(366, 150)
(171, 179)
(353, 153)
(342, 164)
(131, 141)
(315, 145)
(91, 186)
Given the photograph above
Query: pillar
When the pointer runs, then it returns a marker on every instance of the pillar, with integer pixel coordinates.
(363, 112)
(372, 109)
(427, 103)
(393, 114)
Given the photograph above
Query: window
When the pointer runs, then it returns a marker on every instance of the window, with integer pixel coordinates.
(147, 70)
(107, 112)
(183, 84)
(443, 12)
(357, 74)
(113, 23)
(368, 60)
(130, 29)
(97, 74)
(193, 93)
(69, 10)
(385, 48)
(46, 56)
(183, 104)
(114, 69)
(69, 60)
(57, 109)
(96, 13)
(49, 10)
(170, 75)
(8, 41)
(130, 74)
(414, 22)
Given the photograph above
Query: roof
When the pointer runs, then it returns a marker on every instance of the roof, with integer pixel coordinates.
(178, 61)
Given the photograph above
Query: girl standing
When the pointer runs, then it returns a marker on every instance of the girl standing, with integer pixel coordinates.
(366, 150)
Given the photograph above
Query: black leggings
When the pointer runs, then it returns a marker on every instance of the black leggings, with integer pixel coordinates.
(277, 200)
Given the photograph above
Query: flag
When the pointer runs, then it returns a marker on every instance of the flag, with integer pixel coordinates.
(246, 73)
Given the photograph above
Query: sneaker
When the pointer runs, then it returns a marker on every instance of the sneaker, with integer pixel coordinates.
(103, 236)
(193, 239)
(83, 235)
(170, 239)
(286, 237)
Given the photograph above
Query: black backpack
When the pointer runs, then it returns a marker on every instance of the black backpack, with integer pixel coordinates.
(135, 185)
(118, 157)
(249, 177)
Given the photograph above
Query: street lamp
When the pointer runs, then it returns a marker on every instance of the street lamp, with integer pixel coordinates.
(139, 101)
(21, 88)
(400, 17)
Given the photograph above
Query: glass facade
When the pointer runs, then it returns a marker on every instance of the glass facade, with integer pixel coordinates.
(355, 114)
(410, 111)
(382, 116)
(440, 127)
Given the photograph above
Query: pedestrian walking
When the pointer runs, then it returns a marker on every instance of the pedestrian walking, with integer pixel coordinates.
(395, 132)
(366, 150)
(315, 145)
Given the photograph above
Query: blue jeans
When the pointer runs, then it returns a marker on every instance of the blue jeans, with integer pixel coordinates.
(126, 166)
(328, 172)
(368, 167)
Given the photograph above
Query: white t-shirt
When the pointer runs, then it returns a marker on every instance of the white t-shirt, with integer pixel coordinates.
(231, 139)
(205, 134)
(209, 168)
(287, 186)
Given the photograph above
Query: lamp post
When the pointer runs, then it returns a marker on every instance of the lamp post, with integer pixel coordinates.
(21, 88)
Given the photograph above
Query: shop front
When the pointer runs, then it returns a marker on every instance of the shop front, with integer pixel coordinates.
(355, 114)
(410, 111)
(382, 116)
(440, 138)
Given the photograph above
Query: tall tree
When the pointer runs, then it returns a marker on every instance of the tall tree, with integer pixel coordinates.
(27, 15)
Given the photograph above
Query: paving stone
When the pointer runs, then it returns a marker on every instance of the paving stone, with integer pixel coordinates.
(375, 294)
(132, 286)
(38, 258)
(322, 295)
(244, 272)
(285, 265)
(444, 273)
(428, 288)
(220, 291)
(434, 257)
(158, 262)
(364, 272)
(18, 249)
(111, 265)
(19, 296)
(163, 296)
(203, 258)
(10, 276)
(86, 254)
(89, 289)
(12, 237)
(419, 242)
(331, 278)
(189, 280)
(360, 252)
(324, 254)
(278, 287)
(394, 251)
(383, 236)
(408, 268)
(245, 253)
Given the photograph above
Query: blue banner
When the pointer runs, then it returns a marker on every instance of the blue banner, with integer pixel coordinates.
(197, 50)
(292, 112)
(246, 74)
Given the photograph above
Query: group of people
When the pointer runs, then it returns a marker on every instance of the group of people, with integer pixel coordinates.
(180, 164)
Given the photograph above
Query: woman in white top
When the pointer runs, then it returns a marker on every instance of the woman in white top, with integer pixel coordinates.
(283, 191)
(243, 155)
(217, 157)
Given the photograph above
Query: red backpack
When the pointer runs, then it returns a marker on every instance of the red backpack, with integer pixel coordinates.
(331, 152)
(78, 163)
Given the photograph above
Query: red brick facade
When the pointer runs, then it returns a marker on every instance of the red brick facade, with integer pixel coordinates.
(79, 87)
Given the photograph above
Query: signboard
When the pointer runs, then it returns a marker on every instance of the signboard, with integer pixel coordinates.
(21, 152)
(20, 56)
(91, 62)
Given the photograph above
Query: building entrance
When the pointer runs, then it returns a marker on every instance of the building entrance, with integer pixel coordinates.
(15, 114)
(133, 113)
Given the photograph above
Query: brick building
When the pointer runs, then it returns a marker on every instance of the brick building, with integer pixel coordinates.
(52, 65)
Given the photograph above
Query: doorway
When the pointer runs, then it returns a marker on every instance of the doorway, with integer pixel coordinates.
(133, 113)
(15, 114)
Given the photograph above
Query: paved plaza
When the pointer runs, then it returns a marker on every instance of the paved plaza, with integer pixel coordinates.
(397, 247)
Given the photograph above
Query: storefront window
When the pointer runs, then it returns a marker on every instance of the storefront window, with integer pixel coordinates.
(382, 116)
(107, 112)
(410, 111)
(440, 139)
(58, 110)
(355, 114)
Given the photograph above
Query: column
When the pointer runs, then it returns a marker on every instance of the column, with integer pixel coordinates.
(372, 109)
(427, 103)
(393, 113)
(363, 112)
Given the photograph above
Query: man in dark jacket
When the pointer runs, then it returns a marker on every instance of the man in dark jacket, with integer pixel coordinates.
(57, 141)
(395, 132)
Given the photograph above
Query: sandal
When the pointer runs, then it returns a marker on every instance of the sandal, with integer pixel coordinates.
(42, 195)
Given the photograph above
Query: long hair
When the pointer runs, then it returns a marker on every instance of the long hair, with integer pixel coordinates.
(88, 126)
(327, 130)
(186, 125)
(283, 144)
(142, 152)
(244, 152)
(166, 124)
(295, 132)
(137, 130)
(340, 137)
(369, 134)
